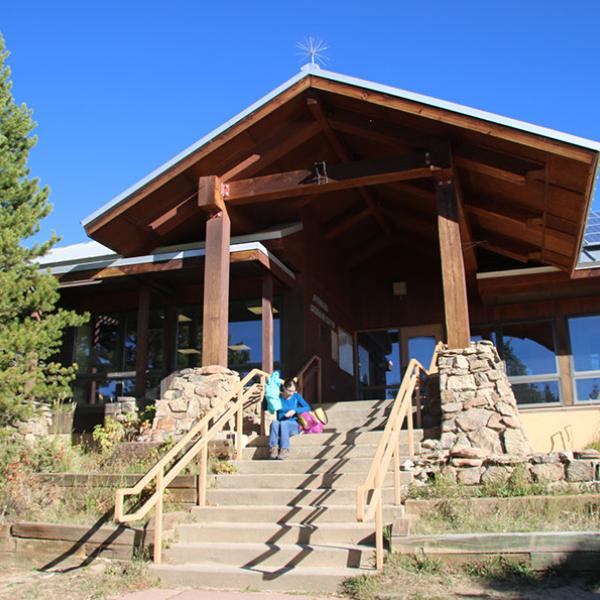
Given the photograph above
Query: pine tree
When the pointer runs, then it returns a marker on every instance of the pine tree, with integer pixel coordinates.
(31, 327)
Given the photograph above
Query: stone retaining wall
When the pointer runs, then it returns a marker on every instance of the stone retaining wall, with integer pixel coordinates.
(482, 440)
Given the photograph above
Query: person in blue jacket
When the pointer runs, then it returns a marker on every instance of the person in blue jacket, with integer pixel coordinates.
(286, 425)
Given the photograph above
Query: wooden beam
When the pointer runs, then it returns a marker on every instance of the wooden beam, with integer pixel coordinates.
(268, 151)
(387, 133)
(466, 236)
(216, 289)
(347, 223)
(316, 109)
(209, 194)
(514, 223)
(338, 177)
(267, 323)
(435, 114)
(511, 248)
(456, 306)
(198, 154)
(141, 342)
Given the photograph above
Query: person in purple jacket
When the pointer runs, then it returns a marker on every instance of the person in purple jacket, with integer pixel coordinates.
(286, 425)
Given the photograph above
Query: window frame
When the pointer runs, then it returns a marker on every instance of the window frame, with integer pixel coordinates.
(498, 329)
(575, 375)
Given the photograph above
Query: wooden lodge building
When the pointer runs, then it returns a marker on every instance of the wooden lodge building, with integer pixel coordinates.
(360, 223)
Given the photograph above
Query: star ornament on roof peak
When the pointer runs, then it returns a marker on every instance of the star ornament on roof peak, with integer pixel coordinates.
(313, 49)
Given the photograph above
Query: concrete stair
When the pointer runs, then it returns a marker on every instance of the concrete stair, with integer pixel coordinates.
(288, 525)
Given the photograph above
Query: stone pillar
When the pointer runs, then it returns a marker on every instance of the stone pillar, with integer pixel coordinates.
(479, 409)
(186, 396)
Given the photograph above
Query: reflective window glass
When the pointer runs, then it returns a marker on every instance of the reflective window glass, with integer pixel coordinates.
(378, 358)
(588, 389)
(585, 342)
(105, 337)
(528, 348)
(539, 392)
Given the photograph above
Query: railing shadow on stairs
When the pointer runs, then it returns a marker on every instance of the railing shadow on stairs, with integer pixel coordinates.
(369, 496)
(194, 443)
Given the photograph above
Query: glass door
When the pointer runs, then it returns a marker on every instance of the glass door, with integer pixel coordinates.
(419, 342)
(378, 357)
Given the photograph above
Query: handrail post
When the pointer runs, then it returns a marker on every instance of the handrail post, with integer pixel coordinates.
(397, 492)
(411, 433)
(263, 416)
(203, 469)
(418, 398)
(379, 522)
(239, 425)
(158, 517)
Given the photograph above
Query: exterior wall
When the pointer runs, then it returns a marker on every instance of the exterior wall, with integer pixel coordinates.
(561, 428)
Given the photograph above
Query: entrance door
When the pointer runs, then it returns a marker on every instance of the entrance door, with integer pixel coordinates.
(419, 342)
(382, 356)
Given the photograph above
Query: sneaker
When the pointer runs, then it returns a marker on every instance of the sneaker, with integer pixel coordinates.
(274, 453)
(283, 453)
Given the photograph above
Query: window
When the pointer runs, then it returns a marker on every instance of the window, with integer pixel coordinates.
(244, 336)
(528, 351)
(105, 350)
(584, 334)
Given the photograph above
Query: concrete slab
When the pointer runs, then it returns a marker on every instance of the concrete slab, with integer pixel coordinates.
(160, 594)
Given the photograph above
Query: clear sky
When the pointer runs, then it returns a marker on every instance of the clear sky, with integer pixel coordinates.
(118, 88)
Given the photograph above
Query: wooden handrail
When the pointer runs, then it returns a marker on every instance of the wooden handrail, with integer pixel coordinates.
(205, 430)
(313, 361)
(371, 507)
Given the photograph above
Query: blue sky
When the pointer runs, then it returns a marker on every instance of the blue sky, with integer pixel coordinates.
(118, 88)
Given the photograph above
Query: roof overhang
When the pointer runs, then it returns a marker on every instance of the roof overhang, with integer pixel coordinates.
(524, 227)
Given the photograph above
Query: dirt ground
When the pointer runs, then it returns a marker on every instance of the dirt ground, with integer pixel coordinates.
(103, 580)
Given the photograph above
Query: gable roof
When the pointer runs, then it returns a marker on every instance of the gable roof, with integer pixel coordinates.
(526, 189)
(315, 71)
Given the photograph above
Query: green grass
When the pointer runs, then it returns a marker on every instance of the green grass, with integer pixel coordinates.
(502, 569)
(516, 485)
(452, 516)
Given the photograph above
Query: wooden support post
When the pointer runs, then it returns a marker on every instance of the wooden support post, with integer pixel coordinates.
(171, 339)
(456, 306)
(564, 360)
(141, 355)
(216, 274)
(267, 323)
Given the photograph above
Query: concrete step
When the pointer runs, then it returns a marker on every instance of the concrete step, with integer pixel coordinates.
(356, 405)
(293, 579)
(305, 465)
(332, 438)
(276, 533)
(290, 497)
(351, 422)
(299, 481)
(271, 555)
(322, 452)
(285, 514)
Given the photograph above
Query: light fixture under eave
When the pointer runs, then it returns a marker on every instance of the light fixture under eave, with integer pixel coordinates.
(257, 310)
(181, 318)
(188, 351)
